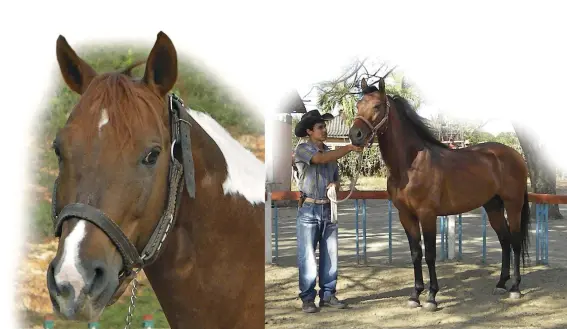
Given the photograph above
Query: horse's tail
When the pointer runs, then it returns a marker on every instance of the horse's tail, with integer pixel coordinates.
(525, 227)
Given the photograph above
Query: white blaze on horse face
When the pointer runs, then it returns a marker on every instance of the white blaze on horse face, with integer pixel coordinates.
(246, 174)
(103, 119)
(70, 268)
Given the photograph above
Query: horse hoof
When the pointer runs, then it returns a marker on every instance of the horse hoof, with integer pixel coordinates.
(515, 295)
(413, 304)
(499, 291)
(430, 307)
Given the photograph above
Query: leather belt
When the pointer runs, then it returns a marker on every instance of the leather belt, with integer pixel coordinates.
(317, 201)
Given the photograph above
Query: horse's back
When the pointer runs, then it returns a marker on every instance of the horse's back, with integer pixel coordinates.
(507, 156)
(491, 147)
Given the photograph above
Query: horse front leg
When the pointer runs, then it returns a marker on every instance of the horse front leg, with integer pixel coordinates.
(411, 227)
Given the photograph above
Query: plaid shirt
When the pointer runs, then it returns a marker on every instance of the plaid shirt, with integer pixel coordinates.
(314, 178)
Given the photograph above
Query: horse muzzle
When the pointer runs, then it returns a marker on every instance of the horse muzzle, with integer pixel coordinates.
(80, 289)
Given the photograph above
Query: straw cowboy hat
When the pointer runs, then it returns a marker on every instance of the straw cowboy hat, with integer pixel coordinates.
(309, 119)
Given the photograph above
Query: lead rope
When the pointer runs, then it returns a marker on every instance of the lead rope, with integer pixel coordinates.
(332, 193)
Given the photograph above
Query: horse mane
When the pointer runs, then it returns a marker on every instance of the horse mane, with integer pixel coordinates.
(407, 114)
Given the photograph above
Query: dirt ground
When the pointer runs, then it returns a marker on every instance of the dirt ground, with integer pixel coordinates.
(377, 292)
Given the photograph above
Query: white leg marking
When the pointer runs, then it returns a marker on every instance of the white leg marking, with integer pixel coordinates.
(246, 174)
(103, 119)
(70, 269)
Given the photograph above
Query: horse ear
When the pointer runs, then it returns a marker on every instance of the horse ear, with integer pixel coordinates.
(363, 84)
(381, 86)
(161, 66)
(75, 71)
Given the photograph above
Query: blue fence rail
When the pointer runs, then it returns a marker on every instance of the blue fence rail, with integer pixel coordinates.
(359, 198)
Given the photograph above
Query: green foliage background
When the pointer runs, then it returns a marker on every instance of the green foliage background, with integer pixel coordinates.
(199, 89)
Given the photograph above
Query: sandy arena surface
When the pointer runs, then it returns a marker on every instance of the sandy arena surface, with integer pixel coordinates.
(377, 292)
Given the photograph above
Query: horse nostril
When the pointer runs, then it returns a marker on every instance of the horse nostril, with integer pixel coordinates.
(65, 290)
(99, 279)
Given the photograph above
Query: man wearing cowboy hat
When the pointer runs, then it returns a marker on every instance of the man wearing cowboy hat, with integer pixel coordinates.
(317, 170)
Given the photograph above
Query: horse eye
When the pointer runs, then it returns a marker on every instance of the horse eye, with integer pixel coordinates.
(151, 158)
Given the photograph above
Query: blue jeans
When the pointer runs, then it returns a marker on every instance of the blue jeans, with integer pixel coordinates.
(314, 227)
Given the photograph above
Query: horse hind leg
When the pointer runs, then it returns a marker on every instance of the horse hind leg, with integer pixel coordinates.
(495, 212)
(518, 212)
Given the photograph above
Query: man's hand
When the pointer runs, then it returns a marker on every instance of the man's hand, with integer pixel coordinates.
(334, 185)
(355, 148)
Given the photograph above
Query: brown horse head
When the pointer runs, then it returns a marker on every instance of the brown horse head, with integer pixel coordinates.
(372, 113)
(114, 155)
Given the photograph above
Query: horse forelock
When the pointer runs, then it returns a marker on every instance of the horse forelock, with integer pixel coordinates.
(127, 108)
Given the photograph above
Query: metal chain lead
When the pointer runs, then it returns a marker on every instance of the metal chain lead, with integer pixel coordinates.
(132, 300)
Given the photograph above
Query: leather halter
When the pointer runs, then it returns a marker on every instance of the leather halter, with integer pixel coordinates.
(133, 261)
(374, 129)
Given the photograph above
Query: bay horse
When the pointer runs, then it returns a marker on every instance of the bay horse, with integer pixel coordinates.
(146, 183)
(428, 179)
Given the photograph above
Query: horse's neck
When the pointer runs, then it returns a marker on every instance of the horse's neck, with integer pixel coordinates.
(185, 276)
(172, 274)
(213, 226)
(398, 145)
